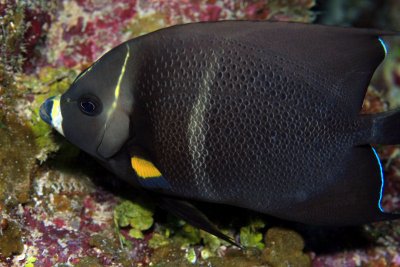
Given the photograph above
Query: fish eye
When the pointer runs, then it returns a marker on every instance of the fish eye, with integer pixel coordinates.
(89, 105)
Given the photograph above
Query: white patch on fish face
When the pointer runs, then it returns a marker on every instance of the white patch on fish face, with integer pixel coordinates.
(56, 116)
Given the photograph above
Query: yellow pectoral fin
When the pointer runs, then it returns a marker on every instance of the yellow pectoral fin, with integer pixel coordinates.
(149, 175)
(144, 168)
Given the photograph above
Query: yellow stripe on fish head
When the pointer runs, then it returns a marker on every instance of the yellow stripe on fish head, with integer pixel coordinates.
(117, 89)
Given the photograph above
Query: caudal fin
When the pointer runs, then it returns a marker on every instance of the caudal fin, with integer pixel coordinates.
(384, 128)
(354, 197)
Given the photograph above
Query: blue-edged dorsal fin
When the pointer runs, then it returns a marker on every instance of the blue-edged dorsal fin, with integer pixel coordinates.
(343, 73)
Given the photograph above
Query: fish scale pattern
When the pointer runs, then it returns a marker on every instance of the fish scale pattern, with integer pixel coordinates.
(231, 122)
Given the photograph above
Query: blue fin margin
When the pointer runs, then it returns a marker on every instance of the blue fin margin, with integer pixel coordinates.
(382, 179)
(384, 45)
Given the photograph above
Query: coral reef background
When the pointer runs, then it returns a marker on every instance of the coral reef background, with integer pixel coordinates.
(59, 208)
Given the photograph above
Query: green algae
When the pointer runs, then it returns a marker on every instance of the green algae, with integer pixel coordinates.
(211, 243)
(158, 240)
(171, 255)
(48, 82)
(88, 262)
(17, 159)
(138, 217)
(191, 256)
(132, 214)
(174, 255)
(11, 239)
(18, 150)
(237, 258)
(187, 236)
(23, 136)
(177, 232)
(250, 235)
(285, 248)
(30, 262)
(282, 248)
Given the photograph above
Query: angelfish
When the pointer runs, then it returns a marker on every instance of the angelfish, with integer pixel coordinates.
(259, 115)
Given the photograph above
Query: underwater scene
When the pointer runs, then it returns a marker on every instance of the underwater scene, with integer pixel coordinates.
(63, 206)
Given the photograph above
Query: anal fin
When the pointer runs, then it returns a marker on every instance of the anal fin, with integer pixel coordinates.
(193, 216)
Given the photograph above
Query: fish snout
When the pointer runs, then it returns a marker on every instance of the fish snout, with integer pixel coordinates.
(50, 112)
(45, 110)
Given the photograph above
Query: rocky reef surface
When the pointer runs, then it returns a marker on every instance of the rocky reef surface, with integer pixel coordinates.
(58, 208)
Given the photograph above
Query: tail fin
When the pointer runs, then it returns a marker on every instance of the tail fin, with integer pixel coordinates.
(384, 128)
(353, 198)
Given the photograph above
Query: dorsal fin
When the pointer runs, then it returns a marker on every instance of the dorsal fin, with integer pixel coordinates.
(336, 60)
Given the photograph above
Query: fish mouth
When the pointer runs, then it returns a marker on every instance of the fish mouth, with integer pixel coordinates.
(50, 112)
(45, 110)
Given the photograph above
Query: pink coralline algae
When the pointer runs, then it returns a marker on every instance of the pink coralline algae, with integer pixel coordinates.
(212, 10)
(38, 21)
(72, 223)
(29, 23)
(85, 29)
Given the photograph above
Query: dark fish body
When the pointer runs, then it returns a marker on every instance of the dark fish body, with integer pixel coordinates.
(259, 115)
